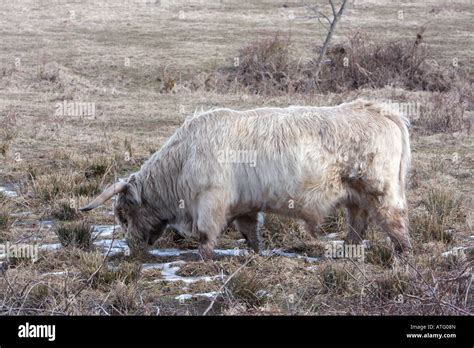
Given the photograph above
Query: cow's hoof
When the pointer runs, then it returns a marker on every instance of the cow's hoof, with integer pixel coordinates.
(205, 253)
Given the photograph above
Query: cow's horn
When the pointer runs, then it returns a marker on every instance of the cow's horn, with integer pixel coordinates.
(105, 196)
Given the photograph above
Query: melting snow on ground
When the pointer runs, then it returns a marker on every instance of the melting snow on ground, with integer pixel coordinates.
(169, 270)
(116, 246)
(457, 251)
(184, 297)
(46, 225)
(280, 252)
(119, 246)
(232, 252)
(7, 192)
(104, 231)
(50, 247)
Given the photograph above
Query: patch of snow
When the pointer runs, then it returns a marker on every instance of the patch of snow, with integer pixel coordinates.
(7, 192)
(59, 273)
(46, 225)
(179, 252)
(21, 214)
(171, 252)
(337, 241)
(457, 251)
(105, 231)
(184, 297)
(231, 252)
(50, 247)
(119, 246)
(169, 270)
(263, 293)
(280, 252)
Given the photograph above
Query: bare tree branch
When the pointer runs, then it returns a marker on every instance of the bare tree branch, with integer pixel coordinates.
(336, 16)
(333, 8)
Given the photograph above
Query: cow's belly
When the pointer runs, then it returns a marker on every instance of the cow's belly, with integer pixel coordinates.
(184, 228)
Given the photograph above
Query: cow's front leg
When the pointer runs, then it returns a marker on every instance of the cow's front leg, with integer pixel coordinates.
(358, 222)
(249, 225)
(210, 222)
(206, 245)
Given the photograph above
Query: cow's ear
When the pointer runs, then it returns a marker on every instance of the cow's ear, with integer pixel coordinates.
(132, 192)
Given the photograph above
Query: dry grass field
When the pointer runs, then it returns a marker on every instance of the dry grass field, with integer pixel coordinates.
(130, 72)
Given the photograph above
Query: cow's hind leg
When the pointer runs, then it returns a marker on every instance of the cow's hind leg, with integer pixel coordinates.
(249, 225)
(358, 222)
(394, 222)
(390, 213)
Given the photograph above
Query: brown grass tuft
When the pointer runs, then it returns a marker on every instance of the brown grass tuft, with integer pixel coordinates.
(75, 234)
(247, 288)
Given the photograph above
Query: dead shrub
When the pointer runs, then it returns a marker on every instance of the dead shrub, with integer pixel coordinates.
(266, 67)
(334, 223)
(444, 112)
(444, 204)
(247, 288)
(9, 130)
(124, 298)
(443, 209)
(64, 211)
(380, 254)
(392, 285)
(92, 267)
(76, 234)
(48, 186)
(262, 67)
(96, 170)
(198, 269)
(48, 72)
(37, 295)
(281, 232)
(87, 188)
(5, 217)
(362, 62)
(333, 278)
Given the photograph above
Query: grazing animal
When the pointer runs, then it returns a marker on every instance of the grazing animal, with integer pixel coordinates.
(225, 166)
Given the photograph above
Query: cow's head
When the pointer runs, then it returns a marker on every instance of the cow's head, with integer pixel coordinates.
(138, 218)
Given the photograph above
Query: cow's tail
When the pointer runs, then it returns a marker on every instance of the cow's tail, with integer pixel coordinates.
(403, 123)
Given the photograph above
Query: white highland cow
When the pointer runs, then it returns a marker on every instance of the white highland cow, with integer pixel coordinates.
(226, 166)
